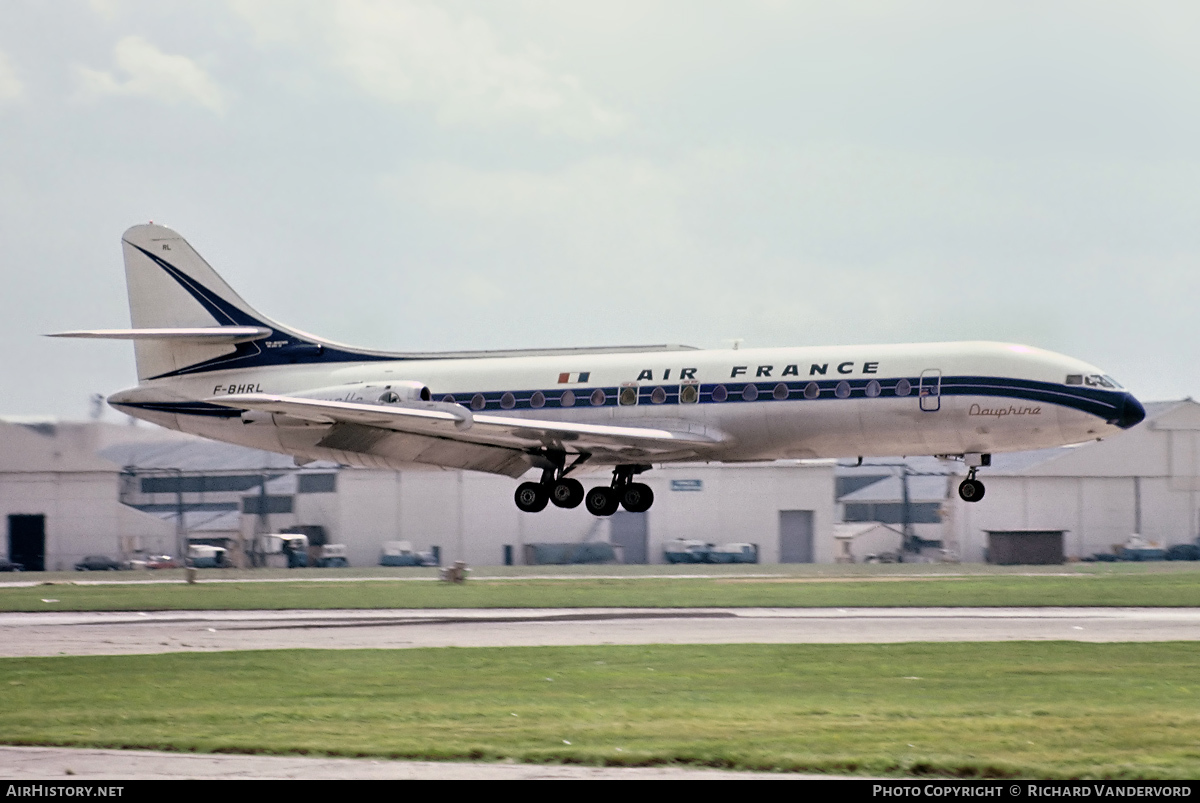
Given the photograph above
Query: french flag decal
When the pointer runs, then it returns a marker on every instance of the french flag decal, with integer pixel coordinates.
(569, 379)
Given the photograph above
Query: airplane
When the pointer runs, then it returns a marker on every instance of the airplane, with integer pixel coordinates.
(211, 365)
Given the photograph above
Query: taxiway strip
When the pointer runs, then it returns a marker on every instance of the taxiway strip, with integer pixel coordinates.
(65, 765)
(124, 633)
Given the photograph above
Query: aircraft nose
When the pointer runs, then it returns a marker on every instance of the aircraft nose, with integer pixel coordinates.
(1130, 413)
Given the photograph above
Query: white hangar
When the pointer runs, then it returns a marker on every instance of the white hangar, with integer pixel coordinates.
(69, 490)
(1145, 481)
(60, 498)
(72, 489)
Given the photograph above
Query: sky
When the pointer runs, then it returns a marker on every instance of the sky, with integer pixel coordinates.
(414, 175)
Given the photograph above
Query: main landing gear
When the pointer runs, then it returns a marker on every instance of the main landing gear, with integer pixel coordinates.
(971, 489)
(555, 485)
(567, 492)
(636, 497)
(563, 492)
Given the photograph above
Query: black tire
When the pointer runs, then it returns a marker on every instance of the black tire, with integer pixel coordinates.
(601, 501)
(637, 497)
(567, 493)
(970, 490)
(531, 497)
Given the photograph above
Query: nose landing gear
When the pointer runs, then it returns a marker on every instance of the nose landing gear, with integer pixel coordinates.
(971, 489)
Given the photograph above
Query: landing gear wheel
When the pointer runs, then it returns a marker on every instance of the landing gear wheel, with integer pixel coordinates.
(531, 497)
(567, 492)
(601, 501)
(970, 490)
(637, 497)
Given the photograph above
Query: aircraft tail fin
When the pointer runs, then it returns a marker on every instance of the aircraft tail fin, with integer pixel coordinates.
(187, 320)
(172, 288)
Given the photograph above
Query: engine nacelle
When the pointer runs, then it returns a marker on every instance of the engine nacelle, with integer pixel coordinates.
(390, 392)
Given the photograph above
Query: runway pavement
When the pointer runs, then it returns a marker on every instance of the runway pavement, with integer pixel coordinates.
(64, 766)
(181, 631)
(48, 634)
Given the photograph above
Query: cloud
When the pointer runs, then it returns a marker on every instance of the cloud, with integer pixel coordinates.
(108, 9)
(600, 219)
(175, 80)
(417, 53)
(10, 86)
(816, 244)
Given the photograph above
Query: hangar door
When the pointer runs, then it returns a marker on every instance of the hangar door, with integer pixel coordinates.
(795, 536)
(628, 530)
(27, 541)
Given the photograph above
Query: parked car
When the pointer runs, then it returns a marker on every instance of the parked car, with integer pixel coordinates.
(682, 550)
(162, 562)
(401, 553)
(7, 565)
(1184, 552)
(97, 563)
(204, 556)
(333, 556)
(733, 553)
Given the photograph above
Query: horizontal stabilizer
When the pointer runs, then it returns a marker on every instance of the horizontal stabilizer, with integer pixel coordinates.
(203, 334)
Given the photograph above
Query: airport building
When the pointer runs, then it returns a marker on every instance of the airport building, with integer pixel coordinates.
(71, 490)
(68, 490)
(1145, 481)
(61, 500)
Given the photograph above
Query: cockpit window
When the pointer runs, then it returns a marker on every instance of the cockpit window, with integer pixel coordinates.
(1098, 381)
(1094, 381)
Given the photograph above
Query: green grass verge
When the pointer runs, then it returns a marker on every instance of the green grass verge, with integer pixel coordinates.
(1052, 710)
(1123, 589)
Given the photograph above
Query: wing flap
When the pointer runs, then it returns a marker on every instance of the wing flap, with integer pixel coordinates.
(347, 440)
(455, 422)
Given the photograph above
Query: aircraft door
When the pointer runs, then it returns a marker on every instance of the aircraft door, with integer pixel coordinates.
(930, 390)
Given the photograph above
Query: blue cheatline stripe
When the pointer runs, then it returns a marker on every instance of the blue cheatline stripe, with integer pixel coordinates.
(1105, 404)
(1102, 403)
(185, 408)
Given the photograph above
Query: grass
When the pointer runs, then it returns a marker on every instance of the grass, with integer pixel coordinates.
(1016, 709)
(1135, 585)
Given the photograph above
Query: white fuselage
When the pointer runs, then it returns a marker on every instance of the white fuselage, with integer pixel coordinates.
(837, 401)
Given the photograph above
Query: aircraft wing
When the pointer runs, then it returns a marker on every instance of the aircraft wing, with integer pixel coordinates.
(366, 428)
